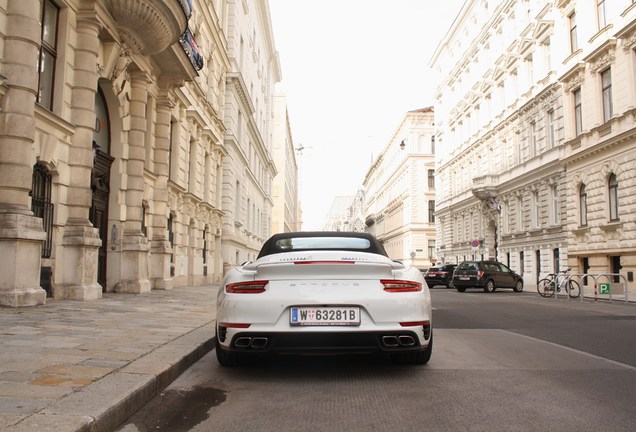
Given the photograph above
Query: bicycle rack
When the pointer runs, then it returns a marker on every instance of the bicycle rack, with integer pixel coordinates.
(596, 278)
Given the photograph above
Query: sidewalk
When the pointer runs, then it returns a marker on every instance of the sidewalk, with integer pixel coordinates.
(86, 366)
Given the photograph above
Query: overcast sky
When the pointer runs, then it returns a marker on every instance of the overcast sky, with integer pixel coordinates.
(351, 70)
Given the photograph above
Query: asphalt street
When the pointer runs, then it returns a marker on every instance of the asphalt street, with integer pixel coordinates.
(501, 362)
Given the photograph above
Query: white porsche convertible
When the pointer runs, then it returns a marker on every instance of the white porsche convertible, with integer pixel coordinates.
(323, 293)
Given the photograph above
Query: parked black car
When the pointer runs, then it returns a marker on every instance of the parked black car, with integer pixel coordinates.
(488, 275)
(440, 275)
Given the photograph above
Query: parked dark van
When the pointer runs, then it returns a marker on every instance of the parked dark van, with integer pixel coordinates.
(487, 275)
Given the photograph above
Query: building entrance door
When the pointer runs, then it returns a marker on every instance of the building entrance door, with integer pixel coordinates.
(100, 177)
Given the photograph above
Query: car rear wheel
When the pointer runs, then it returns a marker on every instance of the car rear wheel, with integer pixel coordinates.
(414, 358)
(490, 286)
(229, 359)
(518, 286)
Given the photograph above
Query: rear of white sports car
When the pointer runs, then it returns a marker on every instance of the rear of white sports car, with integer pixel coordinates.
(324, 300)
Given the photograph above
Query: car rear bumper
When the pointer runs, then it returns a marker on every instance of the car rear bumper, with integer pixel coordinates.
(325, 342)
(436, 281)
(472, 283)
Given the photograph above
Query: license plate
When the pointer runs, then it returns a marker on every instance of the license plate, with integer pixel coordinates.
(464, 278)
(324, 316)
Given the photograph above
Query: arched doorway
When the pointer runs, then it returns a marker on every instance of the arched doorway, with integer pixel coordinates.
(100, 182)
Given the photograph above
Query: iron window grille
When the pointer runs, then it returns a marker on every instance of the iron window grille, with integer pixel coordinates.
(41, 204)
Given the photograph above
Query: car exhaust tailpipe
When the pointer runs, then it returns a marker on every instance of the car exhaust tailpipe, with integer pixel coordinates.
(406, 340)
(243, 342)
(390, 341)
(259, 342)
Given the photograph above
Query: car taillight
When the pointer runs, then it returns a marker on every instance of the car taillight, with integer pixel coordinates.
(415, 323)
(252, 287)
(480, 273)
(224, 326)
(400, 286)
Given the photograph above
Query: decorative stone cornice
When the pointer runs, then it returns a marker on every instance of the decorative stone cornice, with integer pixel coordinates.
(603, 56)
(573, 78)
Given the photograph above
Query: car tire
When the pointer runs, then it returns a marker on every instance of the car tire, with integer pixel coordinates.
(490, 286)
(518, 286)
(226, 358)
(461, 289)
(414, 358)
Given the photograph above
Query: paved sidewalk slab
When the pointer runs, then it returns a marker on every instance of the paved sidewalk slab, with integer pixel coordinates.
(71, 366)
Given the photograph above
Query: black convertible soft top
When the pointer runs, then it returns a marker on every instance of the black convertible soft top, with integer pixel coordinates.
(322, 240)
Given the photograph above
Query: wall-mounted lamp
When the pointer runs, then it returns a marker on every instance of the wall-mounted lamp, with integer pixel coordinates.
(402, 145)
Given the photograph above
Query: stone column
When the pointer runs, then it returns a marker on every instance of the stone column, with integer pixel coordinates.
(81, 240)
(134, 270)
(21, 233)
(160, 249)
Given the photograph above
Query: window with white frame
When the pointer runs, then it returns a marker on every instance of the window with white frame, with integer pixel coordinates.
(519, 209)
(48, 53)
(555, 205)
(613, 197)
(574, 45)
(601, 14)
(431, 178)
(606, 83)
(533, 139)
(551, 129)
(535, 209)
(505, 210)
(578, 112)
(582, 205)
(431, 211)
(547, 55)
(529, 70)
(431, 248)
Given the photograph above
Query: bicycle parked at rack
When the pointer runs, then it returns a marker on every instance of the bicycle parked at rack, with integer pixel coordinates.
(555, 282)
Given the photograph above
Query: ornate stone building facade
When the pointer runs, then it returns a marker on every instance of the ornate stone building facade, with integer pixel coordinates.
(346, 213)
(535, 132)
(400, 191)
(286, 214)
(249, 109)
(119, 149)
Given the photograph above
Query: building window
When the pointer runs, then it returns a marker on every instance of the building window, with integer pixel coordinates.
(170, 227)
(533, 139)
(431, 178)
(48, 53)
(204, 252)
(433, 144)
(551, 129)
(547, 56)
(613, 197)
(574, 45)
(578, 112)
(431, 211)
(519, 214)
(431, 248)
(555, 205)
(583, 205)
(606, 81)
(535, 209)
(529, 70)
(144, 228)
(601, 14)
(41, 204)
